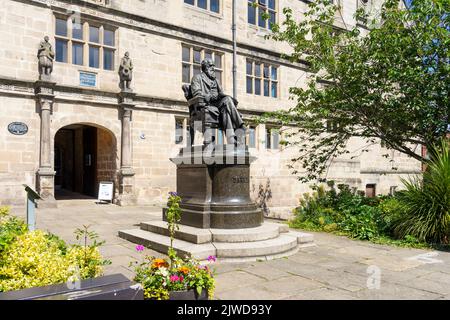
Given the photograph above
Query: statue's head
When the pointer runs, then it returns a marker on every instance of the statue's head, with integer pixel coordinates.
(127, 54)
(46, 38)
(208, 68)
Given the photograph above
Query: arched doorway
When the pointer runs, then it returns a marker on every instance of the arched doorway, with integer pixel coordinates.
(84, 155)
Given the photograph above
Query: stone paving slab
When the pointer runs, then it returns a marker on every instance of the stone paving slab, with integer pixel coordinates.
(336, 268)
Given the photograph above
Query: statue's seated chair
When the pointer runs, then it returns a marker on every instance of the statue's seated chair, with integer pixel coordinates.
(201, 112)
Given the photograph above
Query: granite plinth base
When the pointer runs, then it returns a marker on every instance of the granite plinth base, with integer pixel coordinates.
(214, 185)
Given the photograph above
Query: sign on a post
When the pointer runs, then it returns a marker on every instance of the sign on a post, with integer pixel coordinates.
(105, 191)
(32, 196)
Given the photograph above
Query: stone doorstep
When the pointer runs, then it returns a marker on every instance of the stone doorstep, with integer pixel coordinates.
(197, 235)
(284, 245)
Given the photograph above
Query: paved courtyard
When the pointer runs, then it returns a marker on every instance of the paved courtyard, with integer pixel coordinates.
(336, 268)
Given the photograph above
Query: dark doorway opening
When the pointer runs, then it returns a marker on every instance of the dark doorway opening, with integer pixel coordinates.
(84, 156)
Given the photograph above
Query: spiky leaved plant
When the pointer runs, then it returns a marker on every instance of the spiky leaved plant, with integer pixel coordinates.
(427, 201)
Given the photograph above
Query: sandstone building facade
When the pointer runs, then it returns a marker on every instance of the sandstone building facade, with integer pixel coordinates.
(82, 131)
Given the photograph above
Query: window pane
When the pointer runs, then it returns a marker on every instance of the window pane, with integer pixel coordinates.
(274, 73)
(249, 68)
(251, 137)
(266, 71)
(215, 6)
(266, 88)
(77, 53)
(108, 38)
(257, 86)
(61, 27)
(218, 60)
(61, 50)
(94, 34)
(275, 139)
(108, 59)
(77, 31)
(261, 21)
(272, 4)
(272, 19)
(94, 57)
(219, 76)
(268, 136)
(189, 2)
(257, 70)
(208, 55)
(249, 85)
(274, 90)
(251, 15)
(197, 56)
(178, 131)
(186, 54)
(201, 4)
(197, 70)
(186, 73)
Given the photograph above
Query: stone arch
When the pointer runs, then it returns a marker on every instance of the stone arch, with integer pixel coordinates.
(107, 148)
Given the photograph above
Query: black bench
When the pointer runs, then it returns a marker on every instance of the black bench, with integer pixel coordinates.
(111, 287)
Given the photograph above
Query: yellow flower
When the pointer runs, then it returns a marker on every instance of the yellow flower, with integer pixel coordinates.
(158, 263)
(184, 270)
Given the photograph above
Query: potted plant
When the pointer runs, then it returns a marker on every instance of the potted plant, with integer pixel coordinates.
(174, 278)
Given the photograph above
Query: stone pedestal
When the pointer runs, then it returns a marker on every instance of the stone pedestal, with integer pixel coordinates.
(126, 174)
(45, 175)
(214, 185)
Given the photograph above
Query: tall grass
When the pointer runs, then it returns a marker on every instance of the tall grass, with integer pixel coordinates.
(426, 201)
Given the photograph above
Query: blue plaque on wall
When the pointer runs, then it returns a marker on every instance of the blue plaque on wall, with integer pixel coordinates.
(88, 79)
(18, 128)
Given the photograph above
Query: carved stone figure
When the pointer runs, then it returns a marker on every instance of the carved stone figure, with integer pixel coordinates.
(207, 93)
(46, 57)
(126, 72)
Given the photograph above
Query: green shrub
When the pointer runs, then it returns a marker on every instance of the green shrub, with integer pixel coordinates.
(30, 259)
(426, 202)
(391, 211)
(361, 222)
(10, 228)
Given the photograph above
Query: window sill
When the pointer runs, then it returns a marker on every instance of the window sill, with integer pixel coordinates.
(204, 11)
(260, 31)
(83, 68)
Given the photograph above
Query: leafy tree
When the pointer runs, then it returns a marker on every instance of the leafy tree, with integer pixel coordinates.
(391, 83)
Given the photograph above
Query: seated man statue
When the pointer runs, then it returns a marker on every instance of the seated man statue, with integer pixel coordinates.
(206, 87)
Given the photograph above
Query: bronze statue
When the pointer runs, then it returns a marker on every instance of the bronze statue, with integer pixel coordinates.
(126, 72)
(206, 89)
(46, 57)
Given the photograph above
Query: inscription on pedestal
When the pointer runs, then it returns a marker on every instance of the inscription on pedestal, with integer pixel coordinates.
(238, 179)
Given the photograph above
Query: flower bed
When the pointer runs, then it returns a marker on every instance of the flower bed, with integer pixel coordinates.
(36, 258)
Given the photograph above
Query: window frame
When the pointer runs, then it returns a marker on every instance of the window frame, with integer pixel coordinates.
(208, 6)
(86, 44)
(257, 14)
(270, 130)
(193, 64)
(261, 78)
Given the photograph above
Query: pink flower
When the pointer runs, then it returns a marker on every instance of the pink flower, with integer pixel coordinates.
(174, 278)
(139, 247)
(212, 258)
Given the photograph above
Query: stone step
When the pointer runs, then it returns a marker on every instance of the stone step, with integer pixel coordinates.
(185, 233)
(283, 245)
(266, 231)
(263, 248)
(161, 244)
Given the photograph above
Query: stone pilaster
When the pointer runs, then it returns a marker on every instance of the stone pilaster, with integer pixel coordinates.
(45, 176)
(126, 173)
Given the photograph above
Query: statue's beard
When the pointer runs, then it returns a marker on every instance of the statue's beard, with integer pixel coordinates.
(211, 75)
